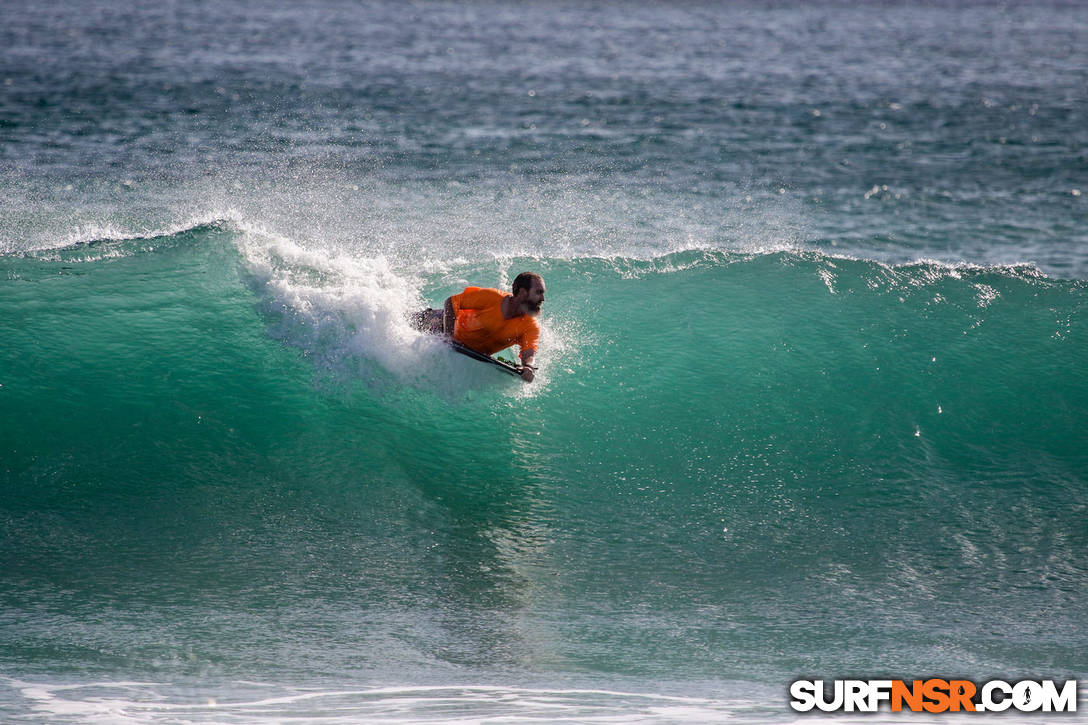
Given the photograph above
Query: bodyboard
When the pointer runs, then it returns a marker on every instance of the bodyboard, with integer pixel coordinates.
(506, 367)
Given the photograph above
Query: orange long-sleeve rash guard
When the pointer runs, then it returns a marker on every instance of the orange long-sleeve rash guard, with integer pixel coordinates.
(480, 325)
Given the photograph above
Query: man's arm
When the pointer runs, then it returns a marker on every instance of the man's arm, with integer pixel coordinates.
(526, 365)
(527, 344)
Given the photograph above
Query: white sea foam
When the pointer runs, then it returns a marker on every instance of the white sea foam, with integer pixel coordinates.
(348, 313)
(242, 702)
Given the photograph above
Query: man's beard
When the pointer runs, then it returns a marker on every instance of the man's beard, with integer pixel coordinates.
(534, 307)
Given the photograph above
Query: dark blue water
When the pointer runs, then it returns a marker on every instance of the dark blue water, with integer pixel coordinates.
(811, 400)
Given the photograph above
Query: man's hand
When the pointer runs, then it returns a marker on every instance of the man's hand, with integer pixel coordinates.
(527, 374)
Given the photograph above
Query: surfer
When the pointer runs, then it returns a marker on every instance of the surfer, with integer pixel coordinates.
(488, 320)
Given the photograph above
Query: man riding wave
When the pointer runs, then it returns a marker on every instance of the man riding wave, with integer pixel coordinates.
(488, 320)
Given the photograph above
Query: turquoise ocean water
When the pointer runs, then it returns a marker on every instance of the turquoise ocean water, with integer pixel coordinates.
(812, 398)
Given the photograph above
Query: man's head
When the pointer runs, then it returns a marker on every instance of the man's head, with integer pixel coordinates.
(529, 290)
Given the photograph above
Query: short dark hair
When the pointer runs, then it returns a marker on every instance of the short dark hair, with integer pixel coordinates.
(525, 280)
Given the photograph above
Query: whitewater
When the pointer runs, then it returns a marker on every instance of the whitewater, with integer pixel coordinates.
(811, 399)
